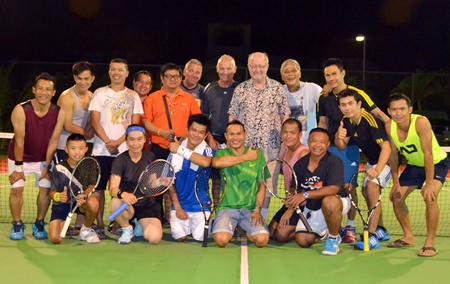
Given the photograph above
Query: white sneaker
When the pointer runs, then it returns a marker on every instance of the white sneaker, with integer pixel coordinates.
(127, 235)
(89, 235)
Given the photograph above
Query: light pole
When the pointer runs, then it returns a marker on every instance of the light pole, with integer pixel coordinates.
(363, 39)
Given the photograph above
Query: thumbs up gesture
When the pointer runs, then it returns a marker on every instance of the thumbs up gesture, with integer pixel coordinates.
(341, 132)
(64, 195)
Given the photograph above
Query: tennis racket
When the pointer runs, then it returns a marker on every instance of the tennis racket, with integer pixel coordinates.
(285, 169)
(359, 208)
(156, 179)
(84, 179)
(202, 193)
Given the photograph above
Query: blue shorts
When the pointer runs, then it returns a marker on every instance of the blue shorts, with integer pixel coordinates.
(61, 210)
(227, 219)
(415, 176)
(350, 158)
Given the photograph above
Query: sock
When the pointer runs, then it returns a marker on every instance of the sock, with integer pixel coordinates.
(333, 237)
(351, 223)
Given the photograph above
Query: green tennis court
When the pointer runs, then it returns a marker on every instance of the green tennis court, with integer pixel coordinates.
(32, 261)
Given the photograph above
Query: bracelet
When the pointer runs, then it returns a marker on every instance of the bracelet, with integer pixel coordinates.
(57, 196)
(185, 152)
(18, 169)
(306, 194)
(119, 194)
(159, 132)
(18, 163)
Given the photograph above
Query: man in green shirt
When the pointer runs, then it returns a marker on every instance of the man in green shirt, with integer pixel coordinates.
(243, 187)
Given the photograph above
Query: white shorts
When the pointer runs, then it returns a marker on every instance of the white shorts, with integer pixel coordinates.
(317, 221)
(194, 225)
(29, 168)
(385, 176)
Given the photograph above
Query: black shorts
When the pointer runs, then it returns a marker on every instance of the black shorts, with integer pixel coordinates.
(105, 163)
(61, 210)
(147, 208)
(292, 221)
(415, 176)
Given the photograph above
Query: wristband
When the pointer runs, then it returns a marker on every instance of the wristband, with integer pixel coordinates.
(158, 183)
(18, 169)
(185, 152)
(46, 166)
(18, 163)
(119, 194)
(306, 194)
(57, 196)
(159, 132)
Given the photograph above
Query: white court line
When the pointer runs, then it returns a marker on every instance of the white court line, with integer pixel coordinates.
(244, 262)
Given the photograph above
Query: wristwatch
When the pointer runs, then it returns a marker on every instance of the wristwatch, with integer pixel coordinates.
(306, 194)
(119, 194)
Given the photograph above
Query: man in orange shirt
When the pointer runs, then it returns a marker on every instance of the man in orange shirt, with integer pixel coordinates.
(169, 102)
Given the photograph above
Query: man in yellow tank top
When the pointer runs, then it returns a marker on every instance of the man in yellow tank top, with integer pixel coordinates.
(427, 166)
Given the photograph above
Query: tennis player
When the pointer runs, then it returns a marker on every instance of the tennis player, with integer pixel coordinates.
(282, 226)
(427, 166)
(63, 202)
(242, 180)
(321, 176)
(188, 157)
(361, 128)
(125, 173)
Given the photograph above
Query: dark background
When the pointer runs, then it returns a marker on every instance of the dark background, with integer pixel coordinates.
(402, 35)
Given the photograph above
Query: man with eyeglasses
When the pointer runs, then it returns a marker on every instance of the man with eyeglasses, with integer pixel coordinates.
(169, 102)
(261, 104)
(192, 74)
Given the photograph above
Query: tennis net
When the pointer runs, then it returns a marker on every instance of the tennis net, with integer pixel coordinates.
(415, 202)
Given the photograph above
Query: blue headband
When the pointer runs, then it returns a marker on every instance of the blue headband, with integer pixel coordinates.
(135, 128)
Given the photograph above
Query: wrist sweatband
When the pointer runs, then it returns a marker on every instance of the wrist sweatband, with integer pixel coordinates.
(185, 152)
(57, 196)
(119, 194)
(19, 169)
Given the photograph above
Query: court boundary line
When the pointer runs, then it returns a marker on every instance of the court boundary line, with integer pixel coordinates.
(244, 262)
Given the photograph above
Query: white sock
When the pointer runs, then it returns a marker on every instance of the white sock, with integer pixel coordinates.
(351, 223)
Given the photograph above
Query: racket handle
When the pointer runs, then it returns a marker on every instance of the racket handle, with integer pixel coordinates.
(66, 225)
(205, 236)
(118, 211)
(366, 240)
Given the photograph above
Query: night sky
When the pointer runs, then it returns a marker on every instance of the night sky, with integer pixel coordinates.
(402, 35)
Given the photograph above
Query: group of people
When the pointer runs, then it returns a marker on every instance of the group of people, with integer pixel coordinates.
(229, 130)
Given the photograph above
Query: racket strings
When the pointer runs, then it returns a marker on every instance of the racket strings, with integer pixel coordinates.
(156, 179)
(85, 175)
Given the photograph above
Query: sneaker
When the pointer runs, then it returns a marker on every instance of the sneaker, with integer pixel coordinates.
(331, 246)
(374, 243)
(138, 229)
(39, 231)
(127, 235)
(17, 230)
(89, 235)
(382, 234)
(101, 234)
(349, 236)
(114, 228)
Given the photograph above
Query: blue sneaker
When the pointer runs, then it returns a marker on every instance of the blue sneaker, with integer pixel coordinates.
(137, 229)
(17, 230)
(331, 246)
(374, 243)
(382, 234)
(39, 231)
